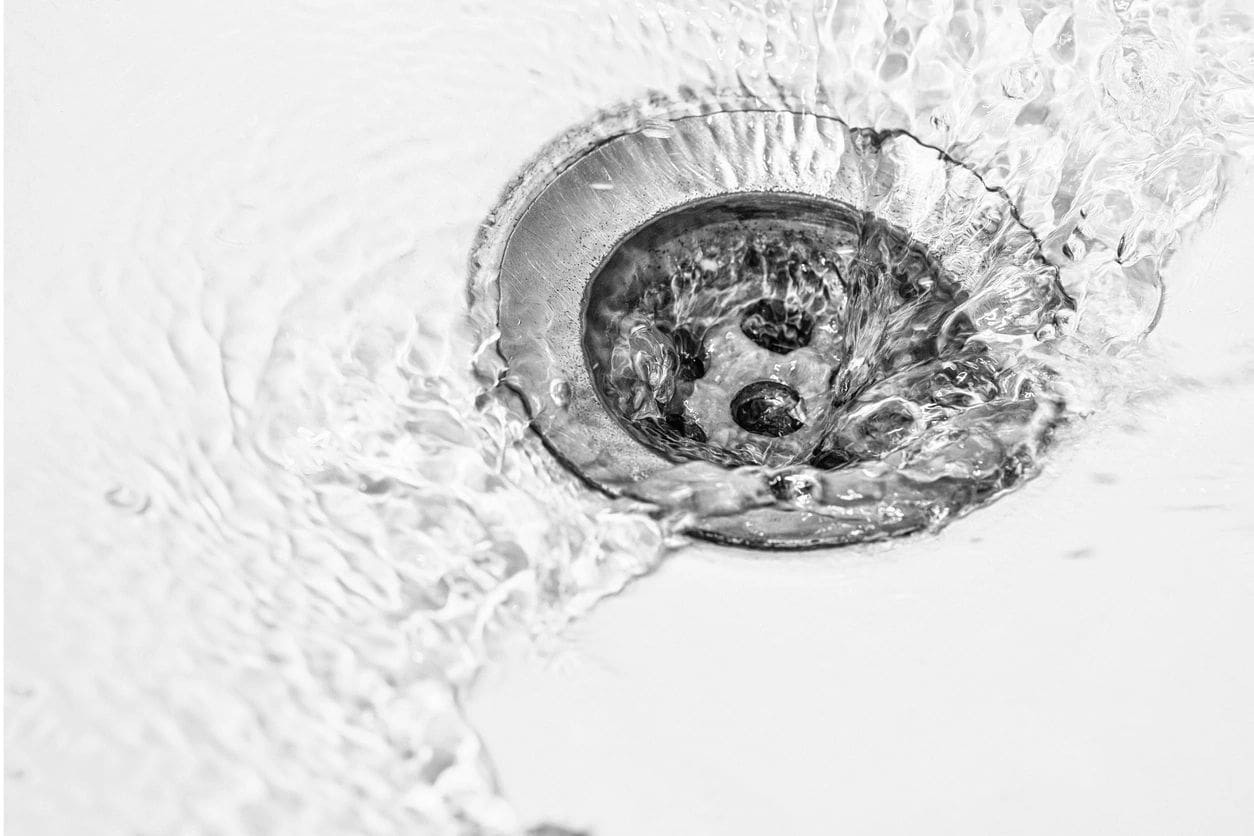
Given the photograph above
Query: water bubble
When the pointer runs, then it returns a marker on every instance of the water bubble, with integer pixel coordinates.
(128, 499)
(882, 427)
(560, 392)
(1022, 81)
(794, 487)
(893, 66)
(1063, 48)
(1075, 248)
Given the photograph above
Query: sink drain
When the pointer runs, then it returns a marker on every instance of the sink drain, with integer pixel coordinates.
(730, 330)
(795, 332)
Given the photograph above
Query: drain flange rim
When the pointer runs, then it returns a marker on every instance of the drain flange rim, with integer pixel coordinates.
(590, 221)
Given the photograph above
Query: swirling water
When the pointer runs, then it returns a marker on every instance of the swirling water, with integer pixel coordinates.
(742, 298)
(263, 528)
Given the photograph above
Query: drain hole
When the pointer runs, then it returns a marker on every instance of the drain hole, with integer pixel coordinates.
(777, 326)
(768, 408)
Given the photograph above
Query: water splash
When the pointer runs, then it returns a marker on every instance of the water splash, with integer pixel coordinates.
(316, 551)
(1108, 128)
(454, 536)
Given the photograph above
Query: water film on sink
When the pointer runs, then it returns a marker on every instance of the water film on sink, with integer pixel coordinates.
(357, 352)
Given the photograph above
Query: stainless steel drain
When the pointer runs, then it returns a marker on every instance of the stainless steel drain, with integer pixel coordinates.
(796, 333)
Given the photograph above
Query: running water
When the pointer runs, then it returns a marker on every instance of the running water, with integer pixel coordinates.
(697, 318)
(857, 382)
(275, 627)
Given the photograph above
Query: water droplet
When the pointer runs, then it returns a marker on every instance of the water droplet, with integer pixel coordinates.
(127, 499)
(1022, 81)
(560, 392)
(793, 487)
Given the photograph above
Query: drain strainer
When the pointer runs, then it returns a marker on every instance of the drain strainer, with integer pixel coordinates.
(797, 333)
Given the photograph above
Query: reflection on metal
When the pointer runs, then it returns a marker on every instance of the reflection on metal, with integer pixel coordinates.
(795, 332)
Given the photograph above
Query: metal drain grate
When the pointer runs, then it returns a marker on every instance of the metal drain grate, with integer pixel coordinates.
(799, 333)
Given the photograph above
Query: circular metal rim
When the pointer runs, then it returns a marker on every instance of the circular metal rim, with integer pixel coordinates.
(561, 234)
